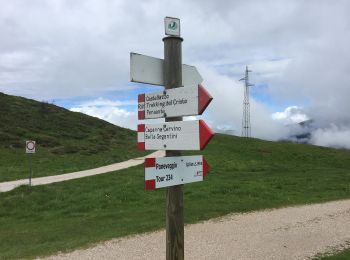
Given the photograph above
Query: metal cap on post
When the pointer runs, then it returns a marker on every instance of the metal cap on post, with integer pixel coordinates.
(174, 194)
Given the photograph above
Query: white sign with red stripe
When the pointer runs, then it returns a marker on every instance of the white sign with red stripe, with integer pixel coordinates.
(170, 171)
(184, 101)
(30, 146)
(177, 135)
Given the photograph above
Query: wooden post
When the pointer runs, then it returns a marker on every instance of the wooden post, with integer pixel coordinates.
(174, 194)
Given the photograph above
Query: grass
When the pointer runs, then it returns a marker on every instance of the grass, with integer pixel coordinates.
(342, 255)
(246, 175)
(66, 141)
(14, 164)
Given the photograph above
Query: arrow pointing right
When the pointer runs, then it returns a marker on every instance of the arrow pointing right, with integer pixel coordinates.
(175, 135)
(204, 99)
(169, 171)
(205, 134)
(150, 70)
(184, 101)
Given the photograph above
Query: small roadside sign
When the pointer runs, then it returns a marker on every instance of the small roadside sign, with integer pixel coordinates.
(170, 171)
(30, 146)
(30, 149)
(172, 26)
(184, 101)
(175, 135)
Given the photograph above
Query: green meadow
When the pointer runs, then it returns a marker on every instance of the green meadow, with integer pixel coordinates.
(246, 175)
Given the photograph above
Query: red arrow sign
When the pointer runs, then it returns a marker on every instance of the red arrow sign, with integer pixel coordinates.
(205, 134)
(184, 101)
(177, 135)
(170, 171)
(204, 99)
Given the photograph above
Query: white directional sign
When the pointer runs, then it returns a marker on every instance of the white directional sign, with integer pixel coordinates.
(185, 101)
(30, 146)
(150, 70)
(177, 135)
(170, 171)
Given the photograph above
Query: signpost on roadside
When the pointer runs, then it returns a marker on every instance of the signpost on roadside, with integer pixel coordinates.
(183, 96)
(30, 149)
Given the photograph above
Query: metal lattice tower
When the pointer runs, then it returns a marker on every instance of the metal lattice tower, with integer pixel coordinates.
(246, 127)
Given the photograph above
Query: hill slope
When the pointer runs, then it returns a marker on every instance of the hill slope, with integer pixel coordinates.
(66, 141)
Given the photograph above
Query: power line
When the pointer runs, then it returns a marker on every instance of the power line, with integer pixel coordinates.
(246, 127)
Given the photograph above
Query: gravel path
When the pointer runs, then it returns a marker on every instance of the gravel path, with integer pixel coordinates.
(287, 233)
(10, 185)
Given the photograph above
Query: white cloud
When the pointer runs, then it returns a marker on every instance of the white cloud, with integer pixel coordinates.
(226, 109)
(114, 115)
(265, 70)
(103, 102)
(333, 136)
(64, 49)
(291, 115)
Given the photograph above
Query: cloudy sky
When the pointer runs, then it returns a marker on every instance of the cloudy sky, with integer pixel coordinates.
(76, 54)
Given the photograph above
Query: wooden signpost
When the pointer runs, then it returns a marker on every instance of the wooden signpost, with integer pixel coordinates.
(183, 96)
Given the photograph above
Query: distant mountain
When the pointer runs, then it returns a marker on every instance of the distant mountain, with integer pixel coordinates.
(301, 132)
(225, 131)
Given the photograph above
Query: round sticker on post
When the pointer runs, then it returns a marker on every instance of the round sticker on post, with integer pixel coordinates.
(172, 26)
(30, 146)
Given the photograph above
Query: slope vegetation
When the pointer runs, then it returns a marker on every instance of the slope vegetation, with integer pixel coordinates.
(66, 141)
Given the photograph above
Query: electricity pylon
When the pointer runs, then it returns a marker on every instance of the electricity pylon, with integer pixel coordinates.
(246, 127)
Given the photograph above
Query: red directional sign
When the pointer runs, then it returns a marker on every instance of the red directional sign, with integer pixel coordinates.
(170, 171)
(177, 135)
(184, 101)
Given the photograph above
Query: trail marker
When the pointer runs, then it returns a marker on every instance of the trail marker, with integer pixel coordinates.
(185, 101)
(170, 171)
(176, 135)
(172, 26)
(150, 70)
(183, 96)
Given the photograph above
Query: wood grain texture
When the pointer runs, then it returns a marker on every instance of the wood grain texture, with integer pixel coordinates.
(174, 195)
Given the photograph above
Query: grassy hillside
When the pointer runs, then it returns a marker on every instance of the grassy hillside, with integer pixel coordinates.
(66, 141)
(246, 174)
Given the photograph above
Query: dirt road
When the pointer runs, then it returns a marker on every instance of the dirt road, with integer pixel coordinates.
(287, 233)
(10, 185)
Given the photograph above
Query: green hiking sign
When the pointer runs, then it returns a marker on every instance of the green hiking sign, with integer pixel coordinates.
(172, 25)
